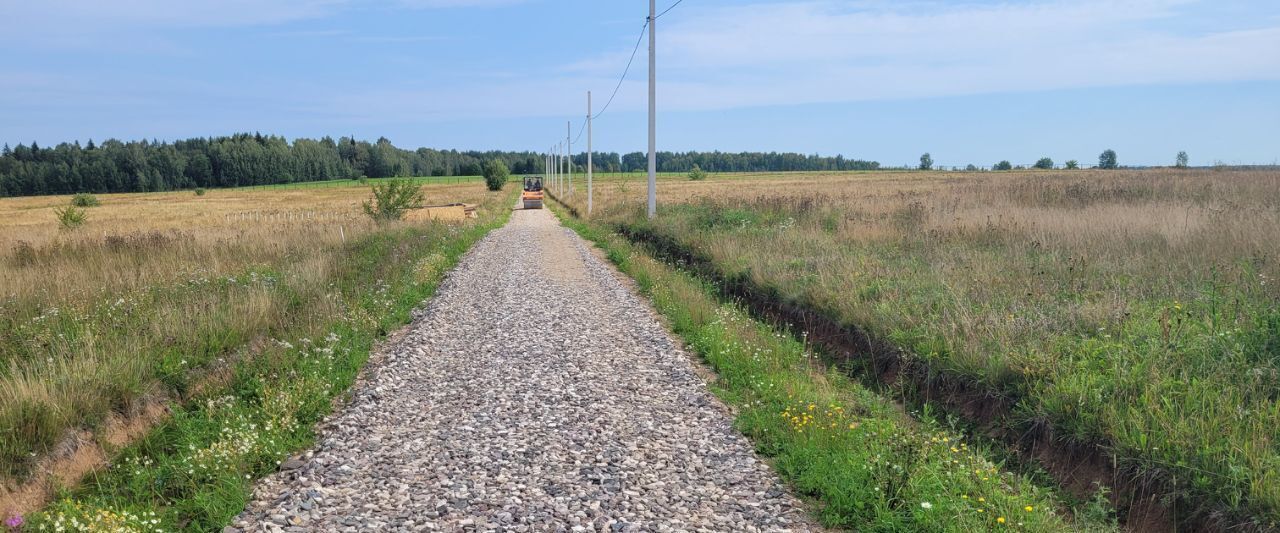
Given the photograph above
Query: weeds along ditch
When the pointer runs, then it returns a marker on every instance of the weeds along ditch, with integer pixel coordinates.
(863, 463)
(239, 333)
(1121, 327)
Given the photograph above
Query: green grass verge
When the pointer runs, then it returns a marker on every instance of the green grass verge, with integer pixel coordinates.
(195, 471)
(864, 463)
(1175, 379)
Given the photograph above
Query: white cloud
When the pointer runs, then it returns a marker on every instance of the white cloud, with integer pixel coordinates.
(785, 53)
(771, 53)
(837, 51)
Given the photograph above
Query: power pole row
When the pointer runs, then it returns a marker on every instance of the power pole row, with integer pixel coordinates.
(561, 178)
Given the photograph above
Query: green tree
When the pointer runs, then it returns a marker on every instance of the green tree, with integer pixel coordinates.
(697, 174)
(496, 174)
(1107, 159)
(392, 199)
(926, 161)
(1072, 164)
(1182, 160)
(71, 217)
(259, 159)
(1003, 165)
(1044, 163)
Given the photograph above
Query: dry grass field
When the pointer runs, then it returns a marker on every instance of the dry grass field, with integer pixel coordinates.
(161, 298)
(1137, 310)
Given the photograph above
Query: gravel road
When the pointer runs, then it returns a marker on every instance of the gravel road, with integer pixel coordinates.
(535, 392)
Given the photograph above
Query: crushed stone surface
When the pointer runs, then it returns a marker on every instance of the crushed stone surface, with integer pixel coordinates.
(534, 392)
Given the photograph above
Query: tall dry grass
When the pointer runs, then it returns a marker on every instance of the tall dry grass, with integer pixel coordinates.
(154, 292)
(1133, 308)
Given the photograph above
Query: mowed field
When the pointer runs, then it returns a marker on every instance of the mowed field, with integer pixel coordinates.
(1132, 312)
(214, 328)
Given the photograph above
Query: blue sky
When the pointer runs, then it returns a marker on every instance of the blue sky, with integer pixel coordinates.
(970, 82)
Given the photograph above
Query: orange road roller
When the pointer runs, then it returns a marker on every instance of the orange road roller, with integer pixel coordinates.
(532, 194)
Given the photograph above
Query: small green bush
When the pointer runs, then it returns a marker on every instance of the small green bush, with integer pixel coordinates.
(1044, 163)
(1072, 164)
(392, 199)
(697, 174)
(85, 199)
(496, 174)
(200, 191)
(1003, 165)
(71, 217)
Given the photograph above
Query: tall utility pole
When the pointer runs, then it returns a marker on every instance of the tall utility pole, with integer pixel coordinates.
(590, 171)
(653, 109)
(568, 139)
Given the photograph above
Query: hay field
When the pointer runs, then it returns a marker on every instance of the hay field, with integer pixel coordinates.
(159, 296)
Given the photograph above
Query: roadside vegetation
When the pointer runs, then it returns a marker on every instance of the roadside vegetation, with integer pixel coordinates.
(1135, 312)
(392, 199)
(496, 174)
(193, 342)
(865, 464)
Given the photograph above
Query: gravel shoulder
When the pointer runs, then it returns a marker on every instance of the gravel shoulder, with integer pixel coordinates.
(535, 392)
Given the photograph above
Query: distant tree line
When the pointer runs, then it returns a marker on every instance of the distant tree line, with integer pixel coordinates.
(238, 160)
(684, 162)
(256, 159)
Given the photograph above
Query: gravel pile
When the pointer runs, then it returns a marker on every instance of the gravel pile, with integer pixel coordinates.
(535, 392)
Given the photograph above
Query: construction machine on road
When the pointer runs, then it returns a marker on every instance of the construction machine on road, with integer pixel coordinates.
(533, 193)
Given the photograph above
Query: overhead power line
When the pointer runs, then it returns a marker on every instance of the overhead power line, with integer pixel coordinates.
(643, 29)
(581, 129)
(625, 71)
(664, 12)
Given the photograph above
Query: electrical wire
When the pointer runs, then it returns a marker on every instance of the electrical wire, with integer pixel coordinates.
(664, 12)
(626, 70)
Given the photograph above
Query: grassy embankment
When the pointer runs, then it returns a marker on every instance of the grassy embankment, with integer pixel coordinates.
(865, 464)
(241, 312)
(1135, 310)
